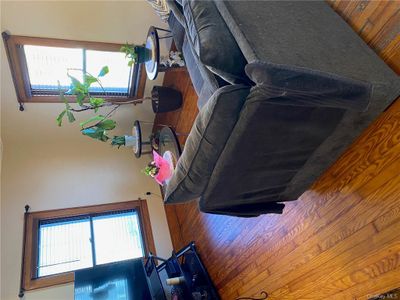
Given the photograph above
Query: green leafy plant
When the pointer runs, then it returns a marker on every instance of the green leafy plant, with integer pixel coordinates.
(134, 53)
(118, 141)
(130, 53)
(151, 169)
(95, 127)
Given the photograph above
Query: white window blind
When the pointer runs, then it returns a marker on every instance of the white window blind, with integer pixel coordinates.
(48, 65)
(117, 81)
(75, 243)
(64, 246)
(117, 237)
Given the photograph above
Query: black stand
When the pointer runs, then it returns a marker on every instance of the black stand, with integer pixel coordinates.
(186, 263)
(165, 30)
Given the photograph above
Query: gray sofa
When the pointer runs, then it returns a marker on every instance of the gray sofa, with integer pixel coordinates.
(284, 88)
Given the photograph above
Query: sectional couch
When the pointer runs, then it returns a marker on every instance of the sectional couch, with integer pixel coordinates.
(284, 88)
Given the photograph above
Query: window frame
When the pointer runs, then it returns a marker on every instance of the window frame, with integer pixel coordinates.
(19, 69)
(30, 281)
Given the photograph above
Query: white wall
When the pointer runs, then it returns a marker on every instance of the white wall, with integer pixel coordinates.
(49, 167)
(1, 159)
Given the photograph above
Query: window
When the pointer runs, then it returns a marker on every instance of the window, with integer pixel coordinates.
(38, 64)
(59, 242)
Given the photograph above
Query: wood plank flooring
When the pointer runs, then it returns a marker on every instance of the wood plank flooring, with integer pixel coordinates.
(341, 239)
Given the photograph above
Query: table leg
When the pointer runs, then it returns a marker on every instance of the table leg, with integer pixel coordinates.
(162, 29)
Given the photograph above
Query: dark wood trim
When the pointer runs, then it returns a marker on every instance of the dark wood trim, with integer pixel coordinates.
(142, 82)
(40, 41)
(19, 72)
(15, 68)
(21, 285)
(30, 280)
(146, 227)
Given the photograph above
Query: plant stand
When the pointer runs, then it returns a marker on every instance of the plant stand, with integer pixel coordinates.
(185, 263)
(153, 66)
(138, 147)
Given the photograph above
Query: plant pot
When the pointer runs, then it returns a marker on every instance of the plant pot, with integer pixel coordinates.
(165, 99)
(143, 54)
(130, 141)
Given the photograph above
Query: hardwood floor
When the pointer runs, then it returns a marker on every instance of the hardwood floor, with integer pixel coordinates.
(341, 239)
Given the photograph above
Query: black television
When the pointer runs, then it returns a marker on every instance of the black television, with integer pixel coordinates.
(125, 280)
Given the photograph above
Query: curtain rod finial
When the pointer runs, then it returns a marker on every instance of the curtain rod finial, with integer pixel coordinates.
(21, 294)
(5, 34)
(27, 207)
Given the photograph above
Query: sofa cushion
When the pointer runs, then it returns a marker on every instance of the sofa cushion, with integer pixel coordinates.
(205, 143)
(305, 87)
(178, 31)
(213, 41)
(203, 80)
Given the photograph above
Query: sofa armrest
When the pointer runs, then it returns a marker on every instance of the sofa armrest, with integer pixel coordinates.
(307, 34)
(298, 86)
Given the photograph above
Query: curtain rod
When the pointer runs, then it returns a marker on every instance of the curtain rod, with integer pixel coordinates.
(21, 283)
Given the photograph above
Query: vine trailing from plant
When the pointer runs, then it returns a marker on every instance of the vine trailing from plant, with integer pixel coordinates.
(96, 127)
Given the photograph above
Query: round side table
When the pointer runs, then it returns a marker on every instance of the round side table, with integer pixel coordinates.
(168, 141)
(153, 44)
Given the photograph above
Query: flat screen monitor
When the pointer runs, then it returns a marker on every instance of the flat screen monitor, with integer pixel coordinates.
(125, 280)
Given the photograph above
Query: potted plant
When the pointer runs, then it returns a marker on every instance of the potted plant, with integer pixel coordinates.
(160, 169)
(151, 169)
(98, 126)
(165, 99)
(136, 53)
